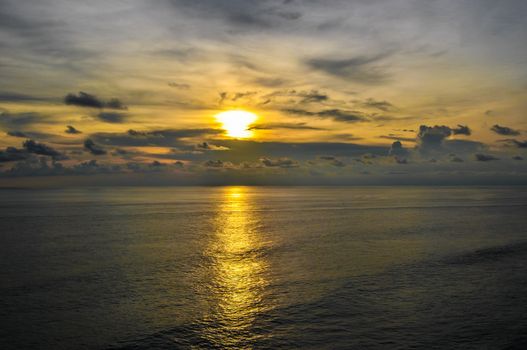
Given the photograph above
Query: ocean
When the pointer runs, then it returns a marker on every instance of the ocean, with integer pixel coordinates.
(264, 268)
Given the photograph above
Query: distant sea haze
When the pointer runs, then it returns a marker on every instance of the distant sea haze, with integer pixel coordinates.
(264, 268)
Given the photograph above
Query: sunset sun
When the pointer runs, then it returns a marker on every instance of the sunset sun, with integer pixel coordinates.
(236, 123)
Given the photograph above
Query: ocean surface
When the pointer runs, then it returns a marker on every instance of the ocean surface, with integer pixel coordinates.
(264, 268)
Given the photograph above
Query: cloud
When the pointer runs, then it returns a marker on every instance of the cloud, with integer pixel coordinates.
(360, 69)
(398, 150)
(83, 99)
(115, 103)
(233, 97)
(241, 14)
(17, 134)
(434, 139)
(42, 149)
(19, 120)
(164, 137)
(485, 157)
(280, 162)
(291, 126)
(11, 154)
(397, 138)
(6, 96)
(214, 164)
(206, 146)
(333, 161)
(181, 86)
(293, 96)
(519, 144)
(71, 130)
(312, 96)
(384, 106)
(503, 130)
(463, 146)
(461, 130)
(32, 135)
(335, 114)
(245, 150)
(431, 137)
(93, 148)
(112, 117)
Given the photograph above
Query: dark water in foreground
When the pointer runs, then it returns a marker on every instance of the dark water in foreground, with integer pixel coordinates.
(259, 267)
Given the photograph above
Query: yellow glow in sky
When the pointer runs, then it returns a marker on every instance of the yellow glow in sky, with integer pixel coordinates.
(237, 123)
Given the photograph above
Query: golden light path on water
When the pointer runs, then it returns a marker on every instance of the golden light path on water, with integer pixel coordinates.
(238, 272)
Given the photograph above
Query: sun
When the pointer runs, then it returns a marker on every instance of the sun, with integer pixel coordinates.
(236, 123)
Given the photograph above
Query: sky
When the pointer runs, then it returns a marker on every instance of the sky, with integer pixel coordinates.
(126, 92)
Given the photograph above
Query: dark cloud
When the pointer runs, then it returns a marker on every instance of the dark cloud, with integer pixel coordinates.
(115, 103)
(71, 130)
(431, 137)
(83, 99)
(485, 157)
(36, 166)
(503, 130)
(434, 138)
(206, 146)
(291, 126)
(335, 114)
(18, 120)
(235, 96)
(461, 130)
(93, 148)
(112, 117)
(11, 154)
(17, 134)
(242, 150)
(338, 163)
(242, 14)
(398, 150)
(162, 138)
(245, 151)
(312, 96)
(181, 86)
(6, 96)
(397, 138)
(400, 160)
(384, 106)
(333, 161)
(280, 162)
(214, 164)
(389, 118)
(295, 96)
(174, 133)
(362, 69)
(519, 144)
(463, 146)
(42, 149)
(32, 135)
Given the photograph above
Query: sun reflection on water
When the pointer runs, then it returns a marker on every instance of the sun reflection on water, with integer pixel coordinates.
(238, 271)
